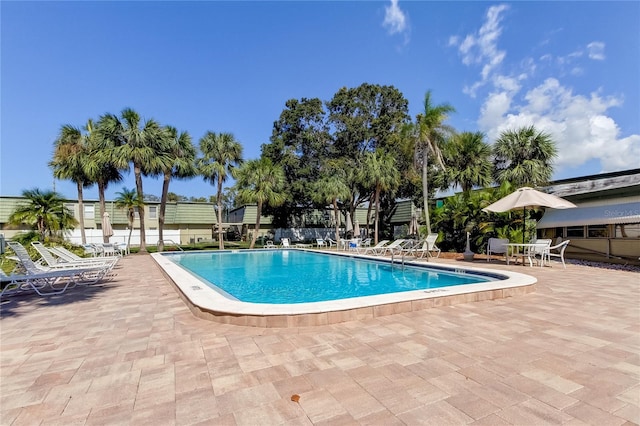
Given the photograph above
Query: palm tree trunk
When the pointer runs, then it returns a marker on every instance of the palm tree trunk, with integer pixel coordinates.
(131, 215)
(163, 206)
(220, 233)
(377, 203)
(83, 236)
(257, 228)
(336, 213)
(143, 239)
(368, 216)
(103, 204)
(425, 189)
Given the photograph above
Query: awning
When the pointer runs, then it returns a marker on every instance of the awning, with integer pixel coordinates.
(596, 215)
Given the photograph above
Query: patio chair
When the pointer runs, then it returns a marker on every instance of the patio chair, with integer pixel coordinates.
(71, 257)
(47, 255)
(57, 281)
(537, 248)
(373, 249)
(269, 245)
(423, 250)
(431, 244)
(284, 243)
(497, 246)
(331, 242)
(557, 251)
(320, 243)
(85, 274)
(393, 248)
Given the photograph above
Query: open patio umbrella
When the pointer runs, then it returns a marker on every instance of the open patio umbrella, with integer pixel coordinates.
(528, 197)
(107, 230)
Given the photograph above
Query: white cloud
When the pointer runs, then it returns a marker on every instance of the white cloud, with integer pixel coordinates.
(596, 50)
(394, 18)
(481, 48)
(580, 125)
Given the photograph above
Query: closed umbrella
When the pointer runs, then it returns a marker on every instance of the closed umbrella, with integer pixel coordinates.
(528, 197)
(413, 225)
(348, 226)
(356, 229)
(107, 230)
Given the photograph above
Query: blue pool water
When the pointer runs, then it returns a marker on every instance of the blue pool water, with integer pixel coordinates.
(294, 276)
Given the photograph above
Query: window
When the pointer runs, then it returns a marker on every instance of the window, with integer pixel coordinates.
(71, 209)
(153, 212)
(89, 211)
(627, 230)
(575, 231)
(136, 213)
(597, 231)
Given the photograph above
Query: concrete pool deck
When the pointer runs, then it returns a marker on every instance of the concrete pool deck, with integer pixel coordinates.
(131, 352)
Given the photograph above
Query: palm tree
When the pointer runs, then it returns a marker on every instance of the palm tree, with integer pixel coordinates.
(70, 154)
(100, 165)
(128, 199)
(468, 162)
(524, 157)
(183, 154)
(430, 133)
(260, 182)
(44, 211)
(142, 144)
(331, 188)
(221, 155)
(380, 174)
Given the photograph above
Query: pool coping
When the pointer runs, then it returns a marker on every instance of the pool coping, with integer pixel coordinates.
(205, 302)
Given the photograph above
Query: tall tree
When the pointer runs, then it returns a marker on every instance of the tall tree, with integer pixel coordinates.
(430, 133)
(468, 161)
(128, 199)
(44, 211)
(221, 156)
(380, 175)
(183, 155)
(143, 144)
(364, 119)
(101, 167)
(331, 188)
(70, 154)
(524, 157)
(299, 143)
(260, 182)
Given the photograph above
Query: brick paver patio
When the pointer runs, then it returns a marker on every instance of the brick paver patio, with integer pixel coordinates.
(130, 352)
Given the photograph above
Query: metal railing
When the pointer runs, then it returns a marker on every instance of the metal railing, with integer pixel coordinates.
(169, 243)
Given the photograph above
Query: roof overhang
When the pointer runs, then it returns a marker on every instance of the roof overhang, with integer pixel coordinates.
(594, 215)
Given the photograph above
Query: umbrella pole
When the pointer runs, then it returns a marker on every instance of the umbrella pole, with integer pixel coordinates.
(524, 223)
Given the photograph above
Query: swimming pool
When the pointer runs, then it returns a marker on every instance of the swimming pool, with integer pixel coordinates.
(296, 276)
(213, 303)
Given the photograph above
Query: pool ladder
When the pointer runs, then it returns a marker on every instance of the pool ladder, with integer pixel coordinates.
(170, 243)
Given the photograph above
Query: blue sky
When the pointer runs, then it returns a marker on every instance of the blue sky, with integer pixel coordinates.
(569, 68)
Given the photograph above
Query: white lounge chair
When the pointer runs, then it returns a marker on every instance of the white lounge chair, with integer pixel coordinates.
(557, 251)
(320, 243)
(85, 274)
(269, 245)
(497, 246)
(57, 281)
(431, 245)
(69, 256)
(52, 261)
(393, 248)
(373, 249)
(285, 243)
